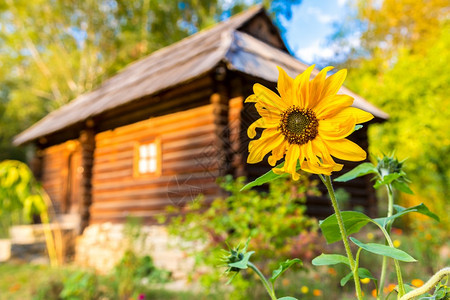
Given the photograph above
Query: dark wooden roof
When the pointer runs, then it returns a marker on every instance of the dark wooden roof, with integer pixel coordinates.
(192, 57)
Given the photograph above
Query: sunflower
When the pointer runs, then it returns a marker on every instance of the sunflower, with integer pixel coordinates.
(308, 122)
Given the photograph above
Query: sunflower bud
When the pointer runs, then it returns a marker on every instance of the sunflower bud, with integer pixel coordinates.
(236, 260)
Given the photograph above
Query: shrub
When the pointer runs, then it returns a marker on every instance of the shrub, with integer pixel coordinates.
(275, 221)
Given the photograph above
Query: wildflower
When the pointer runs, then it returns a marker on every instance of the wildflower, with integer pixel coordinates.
(365, 280)
(285, 282)
(304, 289)
(389, 288)
(417, 282)
(317, 293)
(332, 271)
(308, 123)
(374, 293)
(396, 243)
(398, 231)
(370, 236)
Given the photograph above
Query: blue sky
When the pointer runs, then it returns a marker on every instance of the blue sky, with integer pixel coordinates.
(311, 24)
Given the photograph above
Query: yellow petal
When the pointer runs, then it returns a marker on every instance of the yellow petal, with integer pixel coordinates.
(337, 127)
(360, 115)
(321, 150)
(267, 98)
(270, 139)
(278, 153)
(301, 84)
(260, 123)
(346, 150)
(316, 87)
(284, 86)
(331, 105)
(269, 115)
(290, 164)
(334, 83)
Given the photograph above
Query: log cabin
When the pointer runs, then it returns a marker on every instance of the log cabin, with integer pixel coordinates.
(163, 129)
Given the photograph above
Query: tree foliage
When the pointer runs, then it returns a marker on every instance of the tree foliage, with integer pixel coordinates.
(402, 70)
(54, 50)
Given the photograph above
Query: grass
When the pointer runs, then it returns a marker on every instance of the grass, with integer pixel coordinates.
(22, 281)
(34, 282)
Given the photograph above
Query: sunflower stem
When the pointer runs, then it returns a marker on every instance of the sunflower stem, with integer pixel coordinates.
(266, 284)
(327, 181)
(384, 265)
(387, 231)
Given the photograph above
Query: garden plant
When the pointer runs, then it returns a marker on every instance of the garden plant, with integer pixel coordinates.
(307, 124)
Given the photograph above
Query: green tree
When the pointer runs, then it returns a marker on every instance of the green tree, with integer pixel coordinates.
(399, 67)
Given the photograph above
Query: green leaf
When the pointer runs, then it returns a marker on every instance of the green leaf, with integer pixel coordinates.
(283, 267)
(387, 179)
(242, 264)
(421, 209)
(408, 288)
(330, 259)
(402, 187)
(361, 170)
(384, 251)
(362, 273)
(353, 222)
(265, 178)
(287, 298)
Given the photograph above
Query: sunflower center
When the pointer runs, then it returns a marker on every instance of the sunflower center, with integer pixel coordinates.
(299, 125)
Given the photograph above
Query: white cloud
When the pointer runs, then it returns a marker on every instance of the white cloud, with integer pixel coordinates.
(314, 51)
(342, 2)
(319, 50)
(320, 16)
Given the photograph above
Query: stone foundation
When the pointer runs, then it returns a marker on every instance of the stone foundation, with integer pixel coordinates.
(101, 246)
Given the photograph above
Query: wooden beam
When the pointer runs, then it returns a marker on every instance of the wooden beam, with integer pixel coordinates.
(87, 143)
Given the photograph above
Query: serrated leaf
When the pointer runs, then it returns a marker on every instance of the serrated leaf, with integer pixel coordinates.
(353, 222)
(421, 209)
(384, 250)
(265, 178)
(361, 170)
(362, 273)
(283, 267)
(330, 259)
(242, 264)
(402, 187)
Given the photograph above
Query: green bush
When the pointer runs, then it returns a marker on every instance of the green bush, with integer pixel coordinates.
(275, 221)
(133, 273)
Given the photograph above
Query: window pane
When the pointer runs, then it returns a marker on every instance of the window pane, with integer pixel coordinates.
(143, 151)
(143, 166)
(152, 150)
(152, 165)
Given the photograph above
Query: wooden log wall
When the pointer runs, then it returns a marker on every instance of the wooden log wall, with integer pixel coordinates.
(189, 166)
(54, 172)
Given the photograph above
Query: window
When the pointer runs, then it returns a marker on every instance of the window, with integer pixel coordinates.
(147, 158)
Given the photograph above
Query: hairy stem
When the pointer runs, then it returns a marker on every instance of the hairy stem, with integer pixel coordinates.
(266, 284)
(327, 181)
(428, 285)
(384, 265)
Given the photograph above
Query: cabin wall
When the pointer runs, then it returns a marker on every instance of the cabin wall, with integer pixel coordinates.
(60, 174)
(188, 166)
